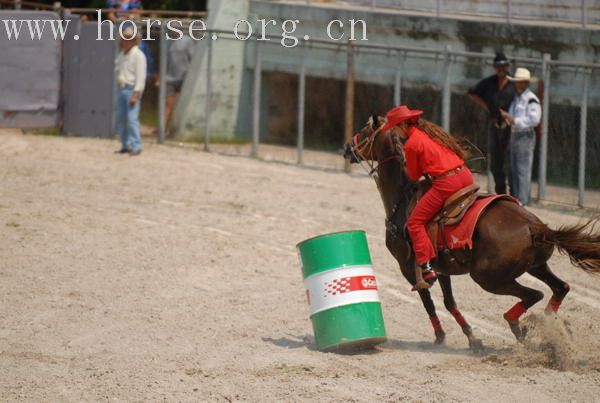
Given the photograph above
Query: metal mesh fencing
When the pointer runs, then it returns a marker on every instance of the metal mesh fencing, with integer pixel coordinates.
(563, 139)
(299, 114)
(299, 105)
(591, 173)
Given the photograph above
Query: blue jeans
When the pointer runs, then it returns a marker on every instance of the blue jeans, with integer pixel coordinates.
(522, 145)
(128, 120)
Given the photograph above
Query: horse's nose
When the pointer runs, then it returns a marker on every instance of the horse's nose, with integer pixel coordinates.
(348, 154)
(347, 151)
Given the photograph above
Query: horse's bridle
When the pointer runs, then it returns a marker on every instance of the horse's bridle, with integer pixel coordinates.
(363, 151)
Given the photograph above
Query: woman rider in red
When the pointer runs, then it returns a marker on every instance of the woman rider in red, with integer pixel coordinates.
(428, 150)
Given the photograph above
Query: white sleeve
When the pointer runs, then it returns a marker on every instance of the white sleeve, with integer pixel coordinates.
(531, 118)
(140, 72)
(119, 68)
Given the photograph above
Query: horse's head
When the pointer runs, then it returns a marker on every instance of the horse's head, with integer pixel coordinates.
(373, 145)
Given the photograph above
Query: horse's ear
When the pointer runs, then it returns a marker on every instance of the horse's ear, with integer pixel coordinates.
(375, 120)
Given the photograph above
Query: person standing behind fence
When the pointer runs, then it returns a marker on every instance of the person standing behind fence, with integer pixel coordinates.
(129, 10)
(122, 6)
(178, 63)
(523, 115)
(492, 94)
(131, 76)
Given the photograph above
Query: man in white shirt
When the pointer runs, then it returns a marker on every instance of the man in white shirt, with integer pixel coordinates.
(131, 78)
(524, 115)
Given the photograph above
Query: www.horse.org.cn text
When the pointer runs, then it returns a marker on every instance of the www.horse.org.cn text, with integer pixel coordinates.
(262, 30)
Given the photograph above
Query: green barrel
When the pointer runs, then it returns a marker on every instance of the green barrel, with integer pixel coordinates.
(342, 291)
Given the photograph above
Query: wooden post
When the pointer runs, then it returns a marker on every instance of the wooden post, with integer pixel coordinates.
(543, 163)
(350, 87)
(162, 86)
(256, 99)
(208, 104)
(301, 106)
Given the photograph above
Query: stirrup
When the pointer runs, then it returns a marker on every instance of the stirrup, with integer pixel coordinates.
(425, 276)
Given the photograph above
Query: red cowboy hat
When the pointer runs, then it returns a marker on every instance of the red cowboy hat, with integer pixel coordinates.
(400, 114)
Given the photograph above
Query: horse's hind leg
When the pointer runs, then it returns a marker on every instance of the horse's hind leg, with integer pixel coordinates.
(450, 304)
(440, 335)
(559, 288)
(529, 297)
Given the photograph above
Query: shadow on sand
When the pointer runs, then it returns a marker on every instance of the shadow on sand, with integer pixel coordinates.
(430, 347)
(308, 342)
(293, 342)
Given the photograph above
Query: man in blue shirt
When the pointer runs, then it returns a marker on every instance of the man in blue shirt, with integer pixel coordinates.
(122, 5)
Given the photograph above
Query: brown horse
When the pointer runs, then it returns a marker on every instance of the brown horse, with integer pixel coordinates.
(508, 240)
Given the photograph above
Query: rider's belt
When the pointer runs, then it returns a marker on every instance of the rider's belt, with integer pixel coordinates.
(449, 173)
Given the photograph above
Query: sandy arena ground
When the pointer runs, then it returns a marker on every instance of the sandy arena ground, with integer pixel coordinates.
(173, 276)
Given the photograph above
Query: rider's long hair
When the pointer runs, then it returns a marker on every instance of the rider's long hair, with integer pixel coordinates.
(440, 136)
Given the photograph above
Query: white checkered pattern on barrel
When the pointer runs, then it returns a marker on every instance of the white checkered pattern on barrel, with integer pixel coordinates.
(340, 287)
(337, 286)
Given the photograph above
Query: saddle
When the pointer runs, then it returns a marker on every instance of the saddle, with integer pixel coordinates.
(452, 212)
(456, 206)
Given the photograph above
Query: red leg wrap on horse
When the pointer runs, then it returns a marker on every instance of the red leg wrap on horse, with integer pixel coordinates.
(437, 325)
(553, 305)
(514, 313)
(459, 318)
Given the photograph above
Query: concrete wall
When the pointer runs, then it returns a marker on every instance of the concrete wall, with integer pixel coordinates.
(228, 76)
(423, 32)
(558, 10)
(233, 61)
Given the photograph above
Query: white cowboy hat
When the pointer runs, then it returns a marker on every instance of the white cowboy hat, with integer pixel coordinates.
(522, 74)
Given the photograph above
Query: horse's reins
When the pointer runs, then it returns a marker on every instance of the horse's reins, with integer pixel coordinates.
(357, 150)
(481, 158)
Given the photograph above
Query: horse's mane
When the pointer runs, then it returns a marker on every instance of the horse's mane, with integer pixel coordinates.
(371, 121)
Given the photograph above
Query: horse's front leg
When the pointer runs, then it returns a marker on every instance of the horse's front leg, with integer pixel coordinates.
(475, 344)
(402, 253)
(440, 335)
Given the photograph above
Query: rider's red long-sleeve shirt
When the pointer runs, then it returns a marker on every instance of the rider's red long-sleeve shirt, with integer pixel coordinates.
(425, 155)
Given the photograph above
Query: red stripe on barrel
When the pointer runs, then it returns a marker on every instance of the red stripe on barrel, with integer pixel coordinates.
(349, 284)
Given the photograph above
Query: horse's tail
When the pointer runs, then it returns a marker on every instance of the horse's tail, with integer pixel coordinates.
(580, 242)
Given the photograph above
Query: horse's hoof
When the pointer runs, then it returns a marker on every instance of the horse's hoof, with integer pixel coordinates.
(516, 329)
(440, 337)
(476, 345)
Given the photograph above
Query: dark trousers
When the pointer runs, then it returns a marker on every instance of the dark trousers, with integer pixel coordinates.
(498, 143)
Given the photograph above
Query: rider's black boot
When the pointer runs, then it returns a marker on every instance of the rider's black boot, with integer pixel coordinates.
(429, 274)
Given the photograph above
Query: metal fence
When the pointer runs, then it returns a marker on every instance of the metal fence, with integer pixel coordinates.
(582, 12)
(283, 91)
(565, 163)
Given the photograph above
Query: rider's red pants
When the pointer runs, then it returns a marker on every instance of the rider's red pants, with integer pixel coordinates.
(428, 206)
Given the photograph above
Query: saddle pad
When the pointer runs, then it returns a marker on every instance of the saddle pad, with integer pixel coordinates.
(460, 235)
